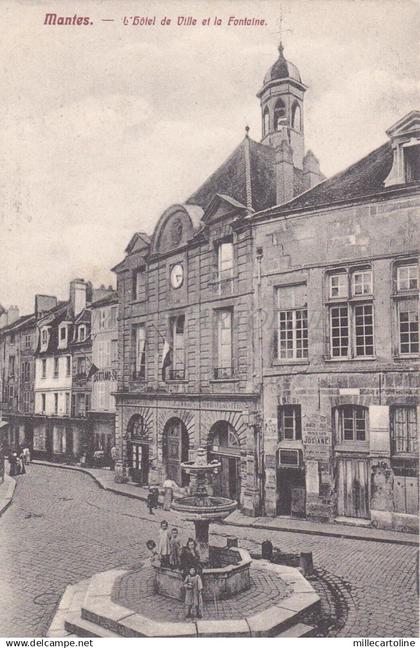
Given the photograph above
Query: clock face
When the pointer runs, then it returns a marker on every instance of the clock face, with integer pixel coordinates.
(177, 275)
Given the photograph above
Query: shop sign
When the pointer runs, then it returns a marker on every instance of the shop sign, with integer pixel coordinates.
(104, 375)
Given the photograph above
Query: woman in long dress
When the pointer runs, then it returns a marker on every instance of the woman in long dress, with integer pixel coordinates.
(193, 594)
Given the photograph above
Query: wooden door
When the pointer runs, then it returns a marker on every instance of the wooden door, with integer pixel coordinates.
(135, 459)
(176, 452)
(406, 495)
(353, 488)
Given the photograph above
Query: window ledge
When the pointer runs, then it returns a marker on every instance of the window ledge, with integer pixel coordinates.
(278, 362)
(408, 356)
(356, 359)
(176, 381)
(353, 446)
(136, 301)
(223, 380)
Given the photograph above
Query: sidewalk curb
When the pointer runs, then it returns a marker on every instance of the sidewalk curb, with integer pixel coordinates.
(250, 525)
(6, 500)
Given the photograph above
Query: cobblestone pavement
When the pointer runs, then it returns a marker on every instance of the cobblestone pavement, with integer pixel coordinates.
(135, 591)
(62, 528)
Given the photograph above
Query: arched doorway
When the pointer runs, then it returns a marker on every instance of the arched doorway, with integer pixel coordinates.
(138, 450)
(224, 446)
(175, 450)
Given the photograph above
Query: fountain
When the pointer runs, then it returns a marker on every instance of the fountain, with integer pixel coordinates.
(242, 597)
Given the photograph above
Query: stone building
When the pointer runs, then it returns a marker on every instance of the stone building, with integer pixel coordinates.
(18, 341)
(189, 365)
(104, 372)
(337, 294)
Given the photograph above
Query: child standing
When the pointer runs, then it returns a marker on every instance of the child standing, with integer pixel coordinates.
(174, 549)
(163, 544)
(193, 594)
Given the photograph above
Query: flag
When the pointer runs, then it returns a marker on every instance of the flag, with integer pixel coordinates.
(92, 371)
(166, 357)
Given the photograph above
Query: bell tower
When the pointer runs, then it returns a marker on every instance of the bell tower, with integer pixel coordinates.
(281, 99)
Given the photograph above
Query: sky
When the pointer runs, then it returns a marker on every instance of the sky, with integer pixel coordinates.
(105, 125)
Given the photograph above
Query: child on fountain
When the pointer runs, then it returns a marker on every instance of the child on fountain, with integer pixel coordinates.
(193, 594)
(154, 556)
(163, 544)
(174, 549)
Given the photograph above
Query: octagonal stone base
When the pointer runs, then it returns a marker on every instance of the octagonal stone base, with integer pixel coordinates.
(232, 577)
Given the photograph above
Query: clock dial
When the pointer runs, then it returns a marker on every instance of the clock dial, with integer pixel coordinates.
(177, 275)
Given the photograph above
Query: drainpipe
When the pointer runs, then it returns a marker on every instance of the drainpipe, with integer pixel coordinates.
(259, 435)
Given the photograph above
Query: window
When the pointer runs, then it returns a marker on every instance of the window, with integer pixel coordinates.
(82, 333)
(114, 350)
(28, 341)
(26, 401)
(140, 352)
(292, 323)
(177, 371)
(56, 367)
(11, 365)
(81, 367)
(296, 117)
(224, 368)
(55, 403)
(289, 422)
(351, 423)
(101, 319)
(350, 313)
(67, 403)
(404, 430)
(44, 339)
(43, 402)
(279, 115)
(44, 368)
(139, 284)
(113, 317)
(68, 365)
(407, 308)
(26, 371)
(225, 261)
(62, 336)
(12, 338)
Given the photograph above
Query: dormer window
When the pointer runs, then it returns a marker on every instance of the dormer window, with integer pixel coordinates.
(81, 333)
(405, 143)
(62, 336)
(412, 163)
(44, 339)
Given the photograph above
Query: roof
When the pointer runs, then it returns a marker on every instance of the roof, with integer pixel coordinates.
(18, 323)
(230, 178)
(111, 298)
(282, 69)
(360, 180)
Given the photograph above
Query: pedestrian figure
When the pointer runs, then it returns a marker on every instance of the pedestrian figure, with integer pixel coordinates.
(193, 594)
(26, 455)
(190, 557)
(154, 556)
(21, 464)
(13, 464)
(150, 501)
(163, 544)
(114, 456)
(174, 549)
(168, 493)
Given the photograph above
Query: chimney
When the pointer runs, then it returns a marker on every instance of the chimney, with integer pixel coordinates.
(311, 172)
(12, 314)
(44, 303)
(78, 289)
(284, 172)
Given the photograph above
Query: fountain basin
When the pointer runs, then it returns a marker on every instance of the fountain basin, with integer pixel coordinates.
(232, 577)
(211, 508)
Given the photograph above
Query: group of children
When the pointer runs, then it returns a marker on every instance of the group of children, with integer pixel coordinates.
(170, 553)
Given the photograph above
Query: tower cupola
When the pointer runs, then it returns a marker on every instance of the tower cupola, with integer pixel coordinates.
(281, 99)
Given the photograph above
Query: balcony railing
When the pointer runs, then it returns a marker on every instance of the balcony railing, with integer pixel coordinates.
(221, 373)
(176, 374)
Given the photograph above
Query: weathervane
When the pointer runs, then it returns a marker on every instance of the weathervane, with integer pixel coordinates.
(281, 30)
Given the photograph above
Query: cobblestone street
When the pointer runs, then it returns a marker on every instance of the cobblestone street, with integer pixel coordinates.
(62, 528)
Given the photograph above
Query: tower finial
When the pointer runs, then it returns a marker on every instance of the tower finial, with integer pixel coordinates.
(246, 131)
(281, 48)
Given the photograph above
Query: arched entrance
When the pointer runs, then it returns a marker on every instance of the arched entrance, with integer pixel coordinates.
(175, 450)
(138, 450)
(224, 446)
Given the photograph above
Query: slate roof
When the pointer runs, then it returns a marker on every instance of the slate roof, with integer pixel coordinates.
(230, 178)
(19, 322)
(111, 298)
(360, 180)
(282, 69)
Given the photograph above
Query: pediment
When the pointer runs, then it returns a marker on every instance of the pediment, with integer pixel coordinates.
(406, 126)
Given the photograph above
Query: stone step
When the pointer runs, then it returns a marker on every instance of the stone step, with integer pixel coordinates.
(299, 630)
(79, 627)
(71, 601)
